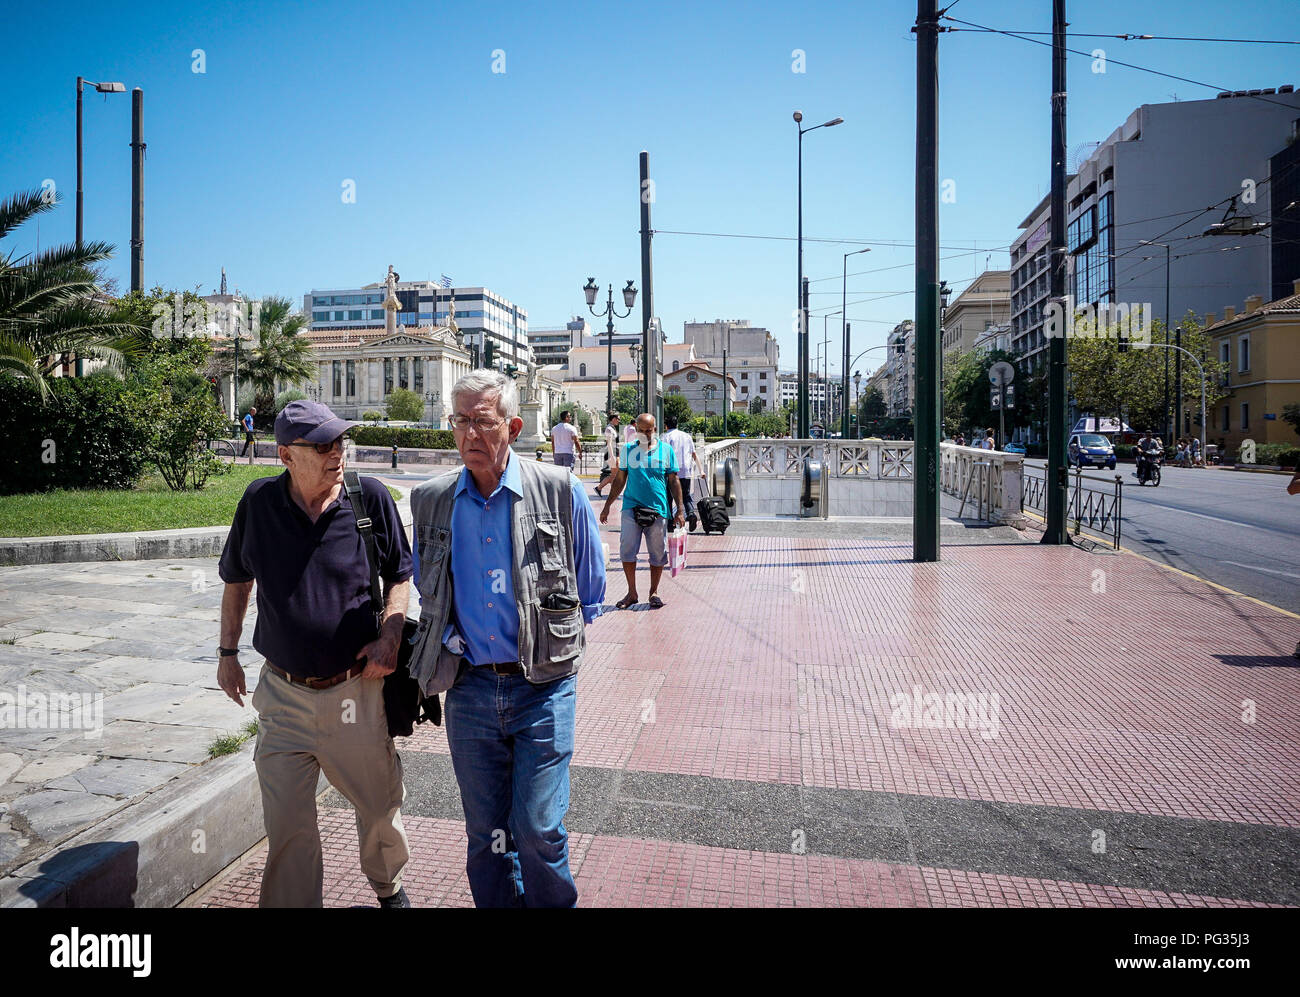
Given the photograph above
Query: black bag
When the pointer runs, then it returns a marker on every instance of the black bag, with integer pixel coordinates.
(713, 514)
(645, 518)
(403, 702)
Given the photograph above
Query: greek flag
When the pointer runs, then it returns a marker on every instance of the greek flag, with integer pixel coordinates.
(446, 281)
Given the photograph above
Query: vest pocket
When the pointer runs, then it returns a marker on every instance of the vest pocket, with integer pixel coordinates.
(548, 544)
(560, 633)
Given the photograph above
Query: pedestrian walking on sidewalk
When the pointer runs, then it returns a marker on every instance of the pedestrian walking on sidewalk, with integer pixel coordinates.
(248, 431)
(320, 694)
(688, 466)
(564, 440)
(648, 471)
(510, 572)
(611, 451)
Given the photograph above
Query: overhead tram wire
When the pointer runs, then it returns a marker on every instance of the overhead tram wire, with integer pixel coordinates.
(1131, 37)
(1023, 36)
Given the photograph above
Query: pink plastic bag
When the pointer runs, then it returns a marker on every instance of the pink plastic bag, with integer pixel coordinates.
(676, 551)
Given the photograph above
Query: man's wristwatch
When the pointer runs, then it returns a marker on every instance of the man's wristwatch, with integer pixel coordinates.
(227, 652)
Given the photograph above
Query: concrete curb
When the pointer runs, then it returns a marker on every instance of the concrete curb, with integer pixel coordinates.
(153, 853)
(203, 541)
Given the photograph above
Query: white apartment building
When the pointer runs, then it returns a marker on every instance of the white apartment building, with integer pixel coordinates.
(1152, 179)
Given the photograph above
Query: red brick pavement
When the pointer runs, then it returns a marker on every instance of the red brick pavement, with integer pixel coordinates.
(775, 660)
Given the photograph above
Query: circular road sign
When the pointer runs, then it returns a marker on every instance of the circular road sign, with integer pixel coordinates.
(1002, 374)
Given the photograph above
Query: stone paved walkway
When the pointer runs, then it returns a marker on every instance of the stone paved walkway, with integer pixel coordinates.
(819, 721)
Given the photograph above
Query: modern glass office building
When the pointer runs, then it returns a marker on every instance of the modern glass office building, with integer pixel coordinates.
(480, 313)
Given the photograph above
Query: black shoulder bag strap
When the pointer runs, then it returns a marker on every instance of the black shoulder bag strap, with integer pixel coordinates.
(352, 483)
(402, 699)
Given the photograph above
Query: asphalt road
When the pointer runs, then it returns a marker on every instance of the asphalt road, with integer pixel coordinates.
(1236, 528)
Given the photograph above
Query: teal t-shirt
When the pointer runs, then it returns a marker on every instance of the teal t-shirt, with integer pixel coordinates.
(647, 471)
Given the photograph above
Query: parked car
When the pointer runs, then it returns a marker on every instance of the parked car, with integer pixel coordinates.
(1091, 450)
(1013, 447)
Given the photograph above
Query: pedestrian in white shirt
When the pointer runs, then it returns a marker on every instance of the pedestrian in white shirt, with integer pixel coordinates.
(611, 452)
(564, 440)
(688, 465)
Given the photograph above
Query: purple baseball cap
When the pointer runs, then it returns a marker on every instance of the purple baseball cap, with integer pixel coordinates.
(313, 421)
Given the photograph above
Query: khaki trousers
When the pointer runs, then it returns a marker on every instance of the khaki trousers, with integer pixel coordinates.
(342, 731)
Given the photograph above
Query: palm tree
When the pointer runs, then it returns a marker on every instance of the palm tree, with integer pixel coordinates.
(281, 353)
(50, 306)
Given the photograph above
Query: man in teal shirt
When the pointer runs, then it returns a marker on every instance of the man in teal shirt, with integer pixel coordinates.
(648, 472)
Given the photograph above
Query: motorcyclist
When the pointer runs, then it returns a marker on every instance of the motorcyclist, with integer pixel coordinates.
(1148, 449)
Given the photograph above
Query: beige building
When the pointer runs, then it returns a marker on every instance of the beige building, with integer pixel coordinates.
(703, 388)
(985, 304)
(753, 355)
(1261, 347)
(585, 379)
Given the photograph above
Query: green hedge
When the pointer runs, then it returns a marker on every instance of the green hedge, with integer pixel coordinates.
(403, 436)
(91, 433)
(1283, 454)
(1124, 451)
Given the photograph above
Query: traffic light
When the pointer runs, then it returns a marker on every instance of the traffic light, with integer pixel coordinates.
(489, 351)
(511, 370)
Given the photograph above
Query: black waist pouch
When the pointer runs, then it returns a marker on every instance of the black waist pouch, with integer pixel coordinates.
(645, 518)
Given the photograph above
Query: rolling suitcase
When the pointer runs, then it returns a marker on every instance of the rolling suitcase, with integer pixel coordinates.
(713, 515)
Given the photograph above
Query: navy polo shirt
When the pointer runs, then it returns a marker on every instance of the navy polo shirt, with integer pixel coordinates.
(313, 581)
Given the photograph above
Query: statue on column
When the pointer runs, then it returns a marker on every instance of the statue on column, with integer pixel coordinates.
(391, 305)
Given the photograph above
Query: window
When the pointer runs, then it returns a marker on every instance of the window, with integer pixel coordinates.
(1245, 415)
(582, 370)
(676, 364)
(388, 375)
(744, 377)
(762, 388)
(418, 378)
(337, 386)
(1243, 353)
(354, 315)
(376, 313)
(692, 376)
(338, 316)
(402, 379)
(352, 377)
(1226, 427)
(763, 376)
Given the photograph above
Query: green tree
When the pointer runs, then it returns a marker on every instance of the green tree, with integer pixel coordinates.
(755, 406)
(281, 353)
(181, 414)
(1291, 416)
(625, 400)
(677, 405)
(49, 305)
(405, 405)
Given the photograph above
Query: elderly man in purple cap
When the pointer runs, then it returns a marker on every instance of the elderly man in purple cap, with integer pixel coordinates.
(320, 692)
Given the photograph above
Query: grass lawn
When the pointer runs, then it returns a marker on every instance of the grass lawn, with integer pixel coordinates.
(151, 505)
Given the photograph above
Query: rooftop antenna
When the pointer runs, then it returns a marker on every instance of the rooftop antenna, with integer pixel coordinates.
(223, 280)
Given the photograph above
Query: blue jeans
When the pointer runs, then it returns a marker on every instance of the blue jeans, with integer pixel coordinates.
(511, 742)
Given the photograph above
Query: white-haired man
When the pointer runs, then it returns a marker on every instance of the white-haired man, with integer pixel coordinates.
(509, 572)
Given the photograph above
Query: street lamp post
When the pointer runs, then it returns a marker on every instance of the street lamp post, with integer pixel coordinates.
(635, 349)
(799, 281)
(844, 331)
(629, 299)
(857, 390)
(1178, 359)
(102, 88)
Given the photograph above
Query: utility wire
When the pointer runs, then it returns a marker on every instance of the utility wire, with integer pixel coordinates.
(1118, 62)
(1141, 38)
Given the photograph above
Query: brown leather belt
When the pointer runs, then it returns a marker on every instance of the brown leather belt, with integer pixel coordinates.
(317, 683)
(505, 667)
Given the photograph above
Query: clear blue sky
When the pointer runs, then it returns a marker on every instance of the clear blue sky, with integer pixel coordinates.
(526, 181)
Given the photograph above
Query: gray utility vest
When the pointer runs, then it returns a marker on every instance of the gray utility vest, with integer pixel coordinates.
(551, 642)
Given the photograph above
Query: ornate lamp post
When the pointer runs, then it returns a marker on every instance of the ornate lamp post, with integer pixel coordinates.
(629, 299)
(635, 349)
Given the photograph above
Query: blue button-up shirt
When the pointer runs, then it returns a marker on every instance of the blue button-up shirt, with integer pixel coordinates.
(482, 566)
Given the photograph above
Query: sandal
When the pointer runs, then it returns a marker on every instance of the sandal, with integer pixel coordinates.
(627, 602)
(656, 602)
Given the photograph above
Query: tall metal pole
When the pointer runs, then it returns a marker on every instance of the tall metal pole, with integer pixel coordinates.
(1057, 482)
(925, 474)
(800, 293)
(1166, 435)
(844, 371)
(137, 189)
(653, 403)
(609, 355)
(726, 403)
(80, 81)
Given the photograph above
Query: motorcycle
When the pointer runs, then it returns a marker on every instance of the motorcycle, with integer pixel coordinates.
(1148, 469)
